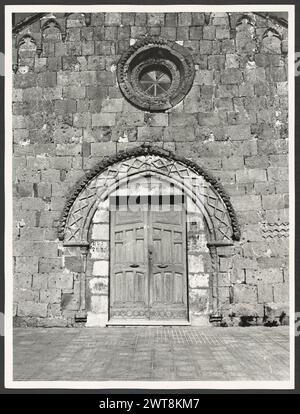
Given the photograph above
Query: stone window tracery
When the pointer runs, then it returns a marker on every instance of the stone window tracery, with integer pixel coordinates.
(155, 74)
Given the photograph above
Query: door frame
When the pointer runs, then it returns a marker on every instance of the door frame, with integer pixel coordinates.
(149, 322)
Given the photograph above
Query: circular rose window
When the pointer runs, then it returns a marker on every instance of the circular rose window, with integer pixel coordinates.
(155, 74)
(155, 81)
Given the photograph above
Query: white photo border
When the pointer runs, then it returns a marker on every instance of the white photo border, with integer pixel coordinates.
(103, 385)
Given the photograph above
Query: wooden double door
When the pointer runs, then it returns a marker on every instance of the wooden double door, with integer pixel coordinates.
(148, 271)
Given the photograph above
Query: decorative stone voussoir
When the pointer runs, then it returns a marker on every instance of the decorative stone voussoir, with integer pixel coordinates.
(142, 159)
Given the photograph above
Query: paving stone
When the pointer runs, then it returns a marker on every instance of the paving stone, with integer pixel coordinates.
(152, 353)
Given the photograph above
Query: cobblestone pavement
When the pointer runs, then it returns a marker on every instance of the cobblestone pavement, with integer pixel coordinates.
(151, 353)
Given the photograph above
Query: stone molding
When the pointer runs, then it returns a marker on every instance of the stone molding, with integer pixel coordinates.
(101, 180)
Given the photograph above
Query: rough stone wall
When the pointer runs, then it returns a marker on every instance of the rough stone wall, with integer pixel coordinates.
(69, 114)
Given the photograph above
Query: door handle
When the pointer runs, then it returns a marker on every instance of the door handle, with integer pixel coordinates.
(162, 266)
(134, 265)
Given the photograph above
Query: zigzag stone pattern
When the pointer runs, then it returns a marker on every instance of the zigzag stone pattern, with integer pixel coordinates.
(275, 230)
(74, 221)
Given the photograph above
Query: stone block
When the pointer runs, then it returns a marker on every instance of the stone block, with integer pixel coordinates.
(155, 19)
(112, 105)
(206, 118)
(236, 133)
(251, 176)
(130, 119)
(138, 31)
(278, 174)
(103, 148)
(32, 309)
(196, 264)
(222, 32)
(73, 264)
(49, 265)
(254, 75)
(101, 216)
(184, 19)
(225, 264)
(168, 33)
(74, 92)
(199, 280)
(96, 62)
(101, 268)
(227, 91)
(182, 33)
(111, 33)
(171, 19)
(233, 163)
(82, 120)
(265, 293)
(223, 104)
(274, 201)
(22, 280)
(195, 32)
(205, 47)
(104, 119)
(22, 294)
(158, 120)
(245, 293)
(276, 310)
(40, 281)
(99, 304)
(98, 285)
(276, 74)
(104, 47)
(202, 77)
(224, 279)
(281, 293)
(100, 232)
(50, 296)
(231, 76)
(26, 264)
(265, 275)
(99, 250)
(247, 202)
(216, 62)
(209, 32)
(178, 134)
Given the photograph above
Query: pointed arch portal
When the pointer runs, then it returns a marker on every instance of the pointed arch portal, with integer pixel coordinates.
(184, 176)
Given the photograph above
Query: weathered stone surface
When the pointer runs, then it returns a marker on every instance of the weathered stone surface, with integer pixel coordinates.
(265, 293)
(100, 232)
(100, 268)
(245, 294)
(244, 203)
(30, 309)
(281, 292)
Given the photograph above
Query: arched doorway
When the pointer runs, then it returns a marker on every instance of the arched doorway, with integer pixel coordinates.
(148, 227)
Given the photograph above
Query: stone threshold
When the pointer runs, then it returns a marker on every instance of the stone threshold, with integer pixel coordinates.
(147, 322)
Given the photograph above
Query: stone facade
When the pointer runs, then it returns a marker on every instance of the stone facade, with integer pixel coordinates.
(69, 116)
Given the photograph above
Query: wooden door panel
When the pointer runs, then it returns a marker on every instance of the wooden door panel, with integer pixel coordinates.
(168, 284)
(168, 288)
(148, 265)
(129, 270)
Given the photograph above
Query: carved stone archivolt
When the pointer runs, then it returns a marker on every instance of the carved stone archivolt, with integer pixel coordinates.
(155, 74)
(205, 191)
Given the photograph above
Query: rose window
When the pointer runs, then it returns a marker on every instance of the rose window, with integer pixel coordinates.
(155, 74)
(155, 81)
